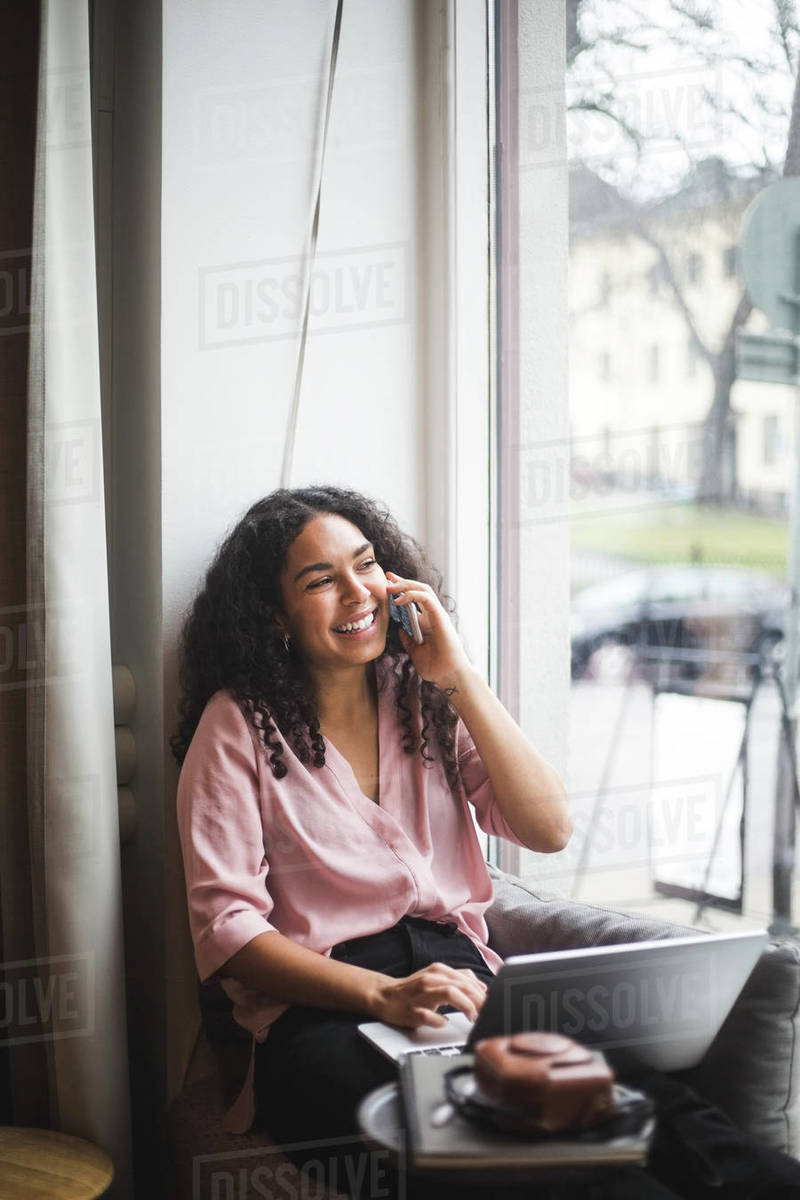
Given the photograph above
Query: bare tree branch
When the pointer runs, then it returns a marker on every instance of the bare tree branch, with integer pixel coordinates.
(787, 25)
(603, 107)
(702, 19)
(752, 112)
(671, 278)
(575, 42)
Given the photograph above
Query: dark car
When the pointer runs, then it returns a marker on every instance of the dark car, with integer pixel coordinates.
(690, 617)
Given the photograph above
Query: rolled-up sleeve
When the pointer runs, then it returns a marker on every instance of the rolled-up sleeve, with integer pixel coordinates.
(220, 827)
(478, 788)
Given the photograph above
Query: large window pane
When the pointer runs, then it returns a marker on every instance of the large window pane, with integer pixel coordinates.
(678, 116)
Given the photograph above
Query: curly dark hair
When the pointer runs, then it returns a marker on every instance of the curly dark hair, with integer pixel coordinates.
(229, 638)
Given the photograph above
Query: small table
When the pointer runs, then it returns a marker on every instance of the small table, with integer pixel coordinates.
(382, 1124)
(41, 1162)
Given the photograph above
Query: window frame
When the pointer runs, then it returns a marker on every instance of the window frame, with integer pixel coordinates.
(531, 627)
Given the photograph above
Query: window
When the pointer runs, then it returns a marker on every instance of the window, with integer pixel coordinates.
(658, 201)
(653, 363)
(605, 287)
(653, 471)
(770, 441)
(656, 276)
(694, 268)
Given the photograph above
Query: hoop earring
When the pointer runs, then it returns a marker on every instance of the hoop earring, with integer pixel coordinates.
(286, 640)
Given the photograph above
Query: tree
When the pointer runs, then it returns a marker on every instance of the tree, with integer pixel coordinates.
(756, 108)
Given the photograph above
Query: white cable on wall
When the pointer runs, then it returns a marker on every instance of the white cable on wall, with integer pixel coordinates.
(288, 450)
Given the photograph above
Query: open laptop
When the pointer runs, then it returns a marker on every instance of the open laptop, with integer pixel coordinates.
(657, 1003)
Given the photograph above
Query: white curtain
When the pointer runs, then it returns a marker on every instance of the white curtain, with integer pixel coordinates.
(72, 789)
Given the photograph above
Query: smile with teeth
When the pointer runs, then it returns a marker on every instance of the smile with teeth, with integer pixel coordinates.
(356, 626)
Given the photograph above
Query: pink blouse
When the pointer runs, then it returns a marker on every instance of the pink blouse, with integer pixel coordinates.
(311, 856)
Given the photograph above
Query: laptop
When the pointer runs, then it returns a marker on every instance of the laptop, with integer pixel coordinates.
(658, 1003)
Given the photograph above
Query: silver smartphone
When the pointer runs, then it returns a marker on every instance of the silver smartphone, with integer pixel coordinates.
(406, 615)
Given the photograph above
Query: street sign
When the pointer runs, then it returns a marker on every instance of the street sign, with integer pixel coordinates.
(766, 358)
(769, 253)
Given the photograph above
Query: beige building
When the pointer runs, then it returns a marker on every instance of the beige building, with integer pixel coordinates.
(640, 387)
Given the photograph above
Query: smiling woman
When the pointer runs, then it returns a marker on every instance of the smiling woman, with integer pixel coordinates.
(331, 765)
(301, 564)
(331, 768)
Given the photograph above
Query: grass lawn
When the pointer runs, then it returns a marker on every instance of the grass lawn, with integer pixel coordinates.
(685, 533)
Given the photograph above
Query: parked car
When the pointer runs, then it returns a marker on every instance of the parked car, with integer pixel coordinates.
(691, 615)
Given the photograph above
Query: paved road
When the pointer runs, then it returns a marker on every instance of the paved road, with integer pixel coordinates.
(633, 831)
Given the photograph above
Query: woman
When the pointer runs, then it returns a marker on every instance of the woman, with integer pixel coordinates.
(329, 768)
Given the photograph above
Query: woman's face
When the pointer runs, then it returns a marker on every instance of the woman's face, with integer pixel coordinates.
(330, 580)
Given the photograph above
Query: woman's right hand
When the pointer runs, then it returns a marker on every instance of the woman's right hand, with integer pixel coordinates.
(413, 1000)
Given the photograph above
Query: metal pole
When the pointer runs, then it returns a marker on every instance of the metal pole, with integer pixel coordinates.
(783, 841)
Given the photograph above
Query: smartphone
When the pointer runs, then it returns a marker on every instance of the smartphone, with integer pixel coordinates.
(406, 615)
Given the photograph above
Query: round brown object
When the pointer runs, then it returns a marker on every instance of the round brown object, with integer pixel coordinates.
(562, 1084)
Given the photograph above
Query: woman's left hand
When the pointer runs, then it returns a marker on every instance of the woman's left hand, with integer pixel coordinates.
(441, 657)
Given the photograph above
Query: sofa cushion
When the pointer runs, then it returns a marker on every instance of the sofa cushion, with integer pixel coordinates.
(752, 1069)
(524, 919)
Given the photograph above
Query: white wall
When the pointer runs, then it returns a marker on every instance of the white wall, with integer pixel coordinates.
(243, 88)
(213, 201)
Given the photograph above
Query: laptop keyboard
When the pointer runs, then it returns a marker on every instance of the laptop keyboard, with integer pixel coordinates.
(439, 1049)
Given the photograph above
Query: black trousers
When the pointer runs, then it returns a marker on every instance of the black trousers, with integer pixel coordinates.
(314, 1068)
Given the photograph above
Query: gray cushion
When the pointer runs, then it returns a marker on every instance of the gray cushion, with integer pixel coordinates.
(751, 1071)
(524, 919)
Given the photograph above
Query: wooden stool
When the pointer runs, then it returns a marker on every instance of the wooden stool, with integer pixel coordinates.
(39, 1163)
